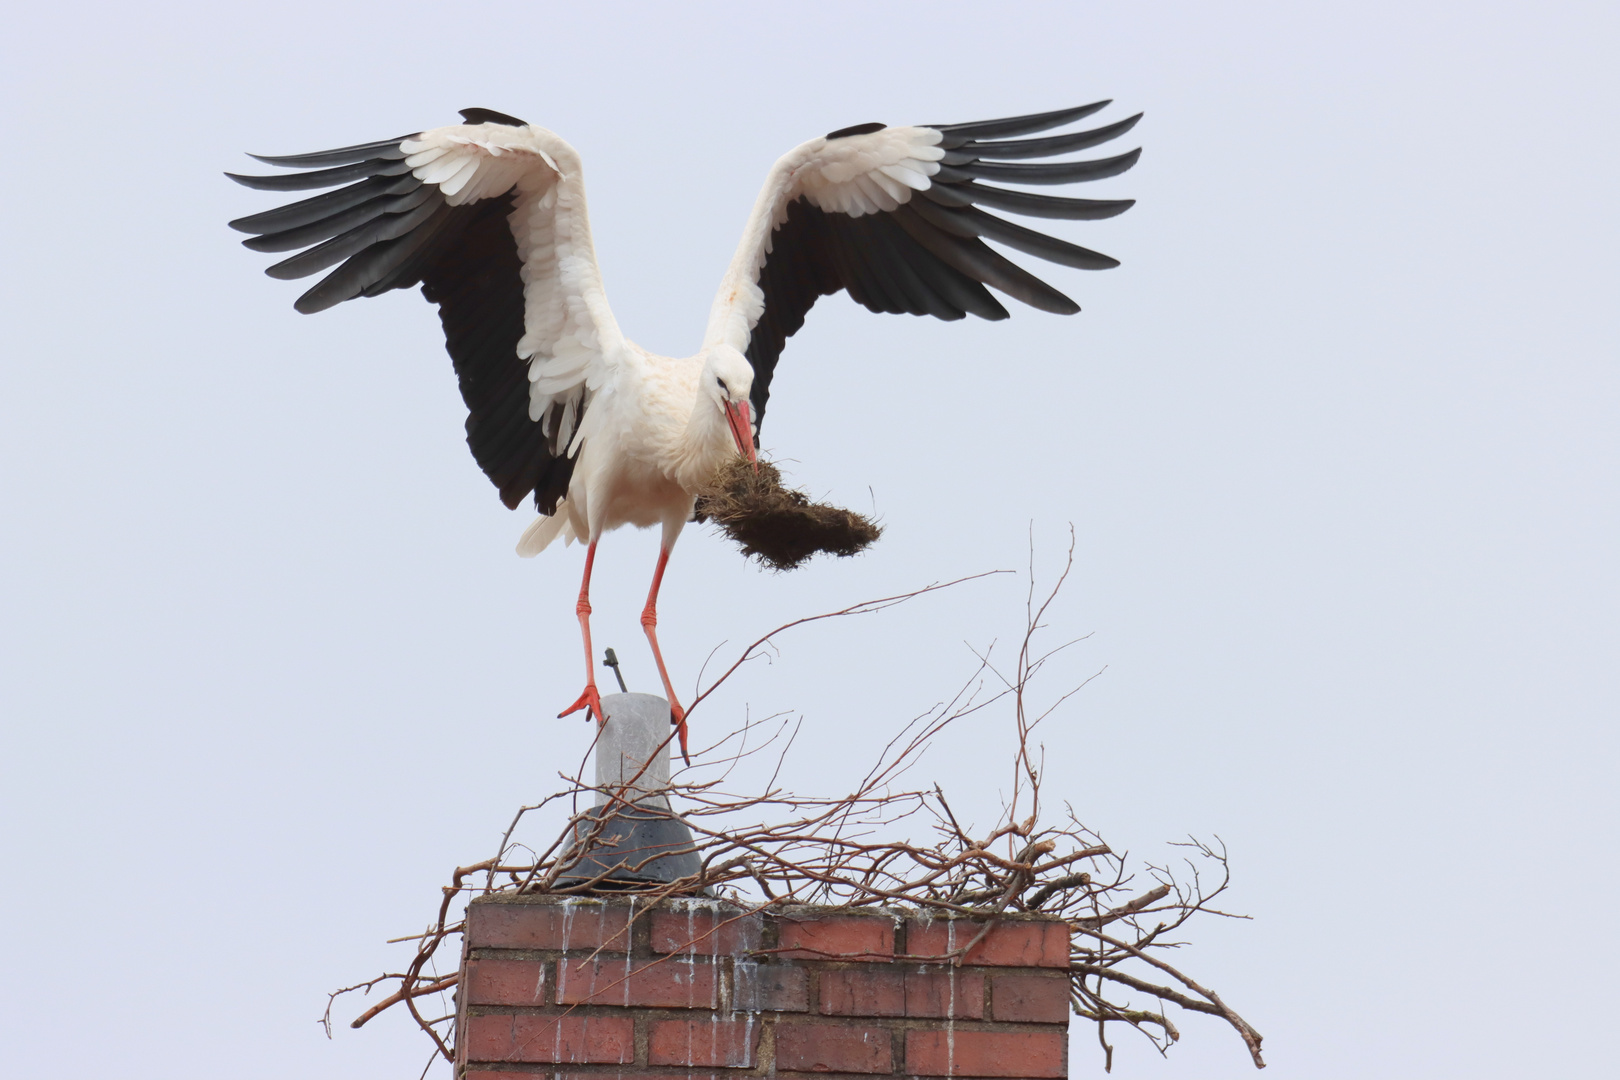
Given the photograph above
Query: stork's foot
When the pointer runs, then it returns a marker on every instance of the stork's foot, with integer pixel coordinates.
(591, 700)
(677, 717)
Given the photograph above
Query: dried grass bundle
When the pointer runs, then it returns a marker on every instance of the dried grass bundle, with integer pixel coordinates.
(777, 525)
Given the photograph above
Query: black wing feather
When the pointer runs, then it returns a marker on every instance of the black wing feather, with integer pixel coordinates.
(1027, 203)
(1060, 172)
(322, 178)
(321, 207)
(388, 230)
(799, 271)
(342, 221)
(928, 256)
(387, 150)
(969, 221)
(1016, 125)
(1031, 148)
(904, 259)
(478, 285)
(490, 116)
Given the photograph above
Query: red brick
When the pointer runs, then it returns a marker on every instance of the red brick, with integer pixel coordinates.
(573, 1039)
(729, 1044)
(660, 984)
(705, 932)
(770, 987)
(849, 937)
(857, 992)
(1030, 999)
(505, 982)
(1036, 1053)
(579, 925)
(953, 994)
(1015, 943)
(844, 1048)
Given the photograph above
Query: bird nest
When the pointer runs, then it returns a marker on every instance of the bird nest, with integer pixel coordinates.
(777, 525)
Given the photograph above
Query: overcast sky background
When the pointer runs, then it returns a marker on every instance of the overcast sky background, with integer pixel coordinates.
(1338, 442)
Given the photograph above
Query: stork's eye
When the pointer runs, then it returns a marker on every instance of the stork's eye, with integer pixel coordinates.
(724, 389)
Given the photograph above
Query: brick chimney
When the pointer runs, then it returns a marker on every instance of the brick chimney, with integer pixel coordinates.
(578, 988)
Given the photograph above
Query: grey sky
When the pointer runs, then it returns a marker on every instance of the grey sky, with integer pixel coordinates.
(1338, 441)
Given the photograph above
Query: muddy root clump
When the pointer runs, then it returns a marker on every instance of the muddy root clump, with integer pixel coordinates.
(777, 525)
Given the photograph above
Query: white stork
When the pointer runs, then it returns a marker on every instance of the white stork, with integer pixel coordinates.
(489, 218)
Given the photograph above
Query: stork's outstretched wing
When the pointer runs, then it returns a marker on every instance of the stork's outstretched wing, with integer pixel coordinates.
(893, 216)
(489, 217)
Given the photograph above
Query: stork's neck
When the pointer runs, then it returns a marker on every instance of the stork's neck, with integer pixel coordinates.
(706, 441)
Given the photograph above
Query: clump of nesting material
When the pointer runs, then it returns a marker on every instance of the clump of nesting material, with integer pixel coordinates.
(777, 525)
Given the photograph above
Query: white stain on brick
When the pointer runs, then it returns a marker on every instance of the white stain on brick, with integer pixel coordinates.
(568, 905)
(950, 1013)
(629, 929)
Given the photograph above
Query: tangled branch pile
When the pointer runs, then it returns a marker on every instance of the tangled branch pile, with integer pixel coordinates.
(777, 525)
(771, 849)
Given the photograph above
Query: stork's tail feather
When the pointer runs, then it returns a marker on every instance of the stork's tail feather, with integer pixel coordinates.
(539, 535)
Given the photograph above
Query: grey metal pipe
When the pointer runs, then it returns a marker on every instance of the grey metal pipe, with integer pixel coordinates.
(644, 841)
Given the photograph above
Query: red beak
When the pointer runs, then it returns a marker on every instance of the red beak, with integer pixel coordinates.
(739, 416)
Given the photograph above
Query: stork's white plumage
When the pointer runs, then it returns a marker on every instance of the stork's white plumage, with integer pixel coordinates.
(489, 218)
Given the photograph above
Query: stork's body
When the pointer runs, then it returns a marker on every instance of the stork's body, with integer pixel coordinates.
(489, 218)
(652, 436)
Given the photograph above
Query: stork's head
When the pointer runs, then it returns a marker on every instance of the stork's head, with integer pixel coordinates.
(729, 378)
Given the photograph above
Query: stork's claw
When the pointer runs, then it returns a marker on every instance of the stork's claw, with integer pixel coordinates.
(677, 717)
(590, 698)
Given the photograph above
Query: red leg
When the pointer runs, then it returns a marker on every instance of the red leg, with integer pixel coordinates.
(590, 698)
(649, 622)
